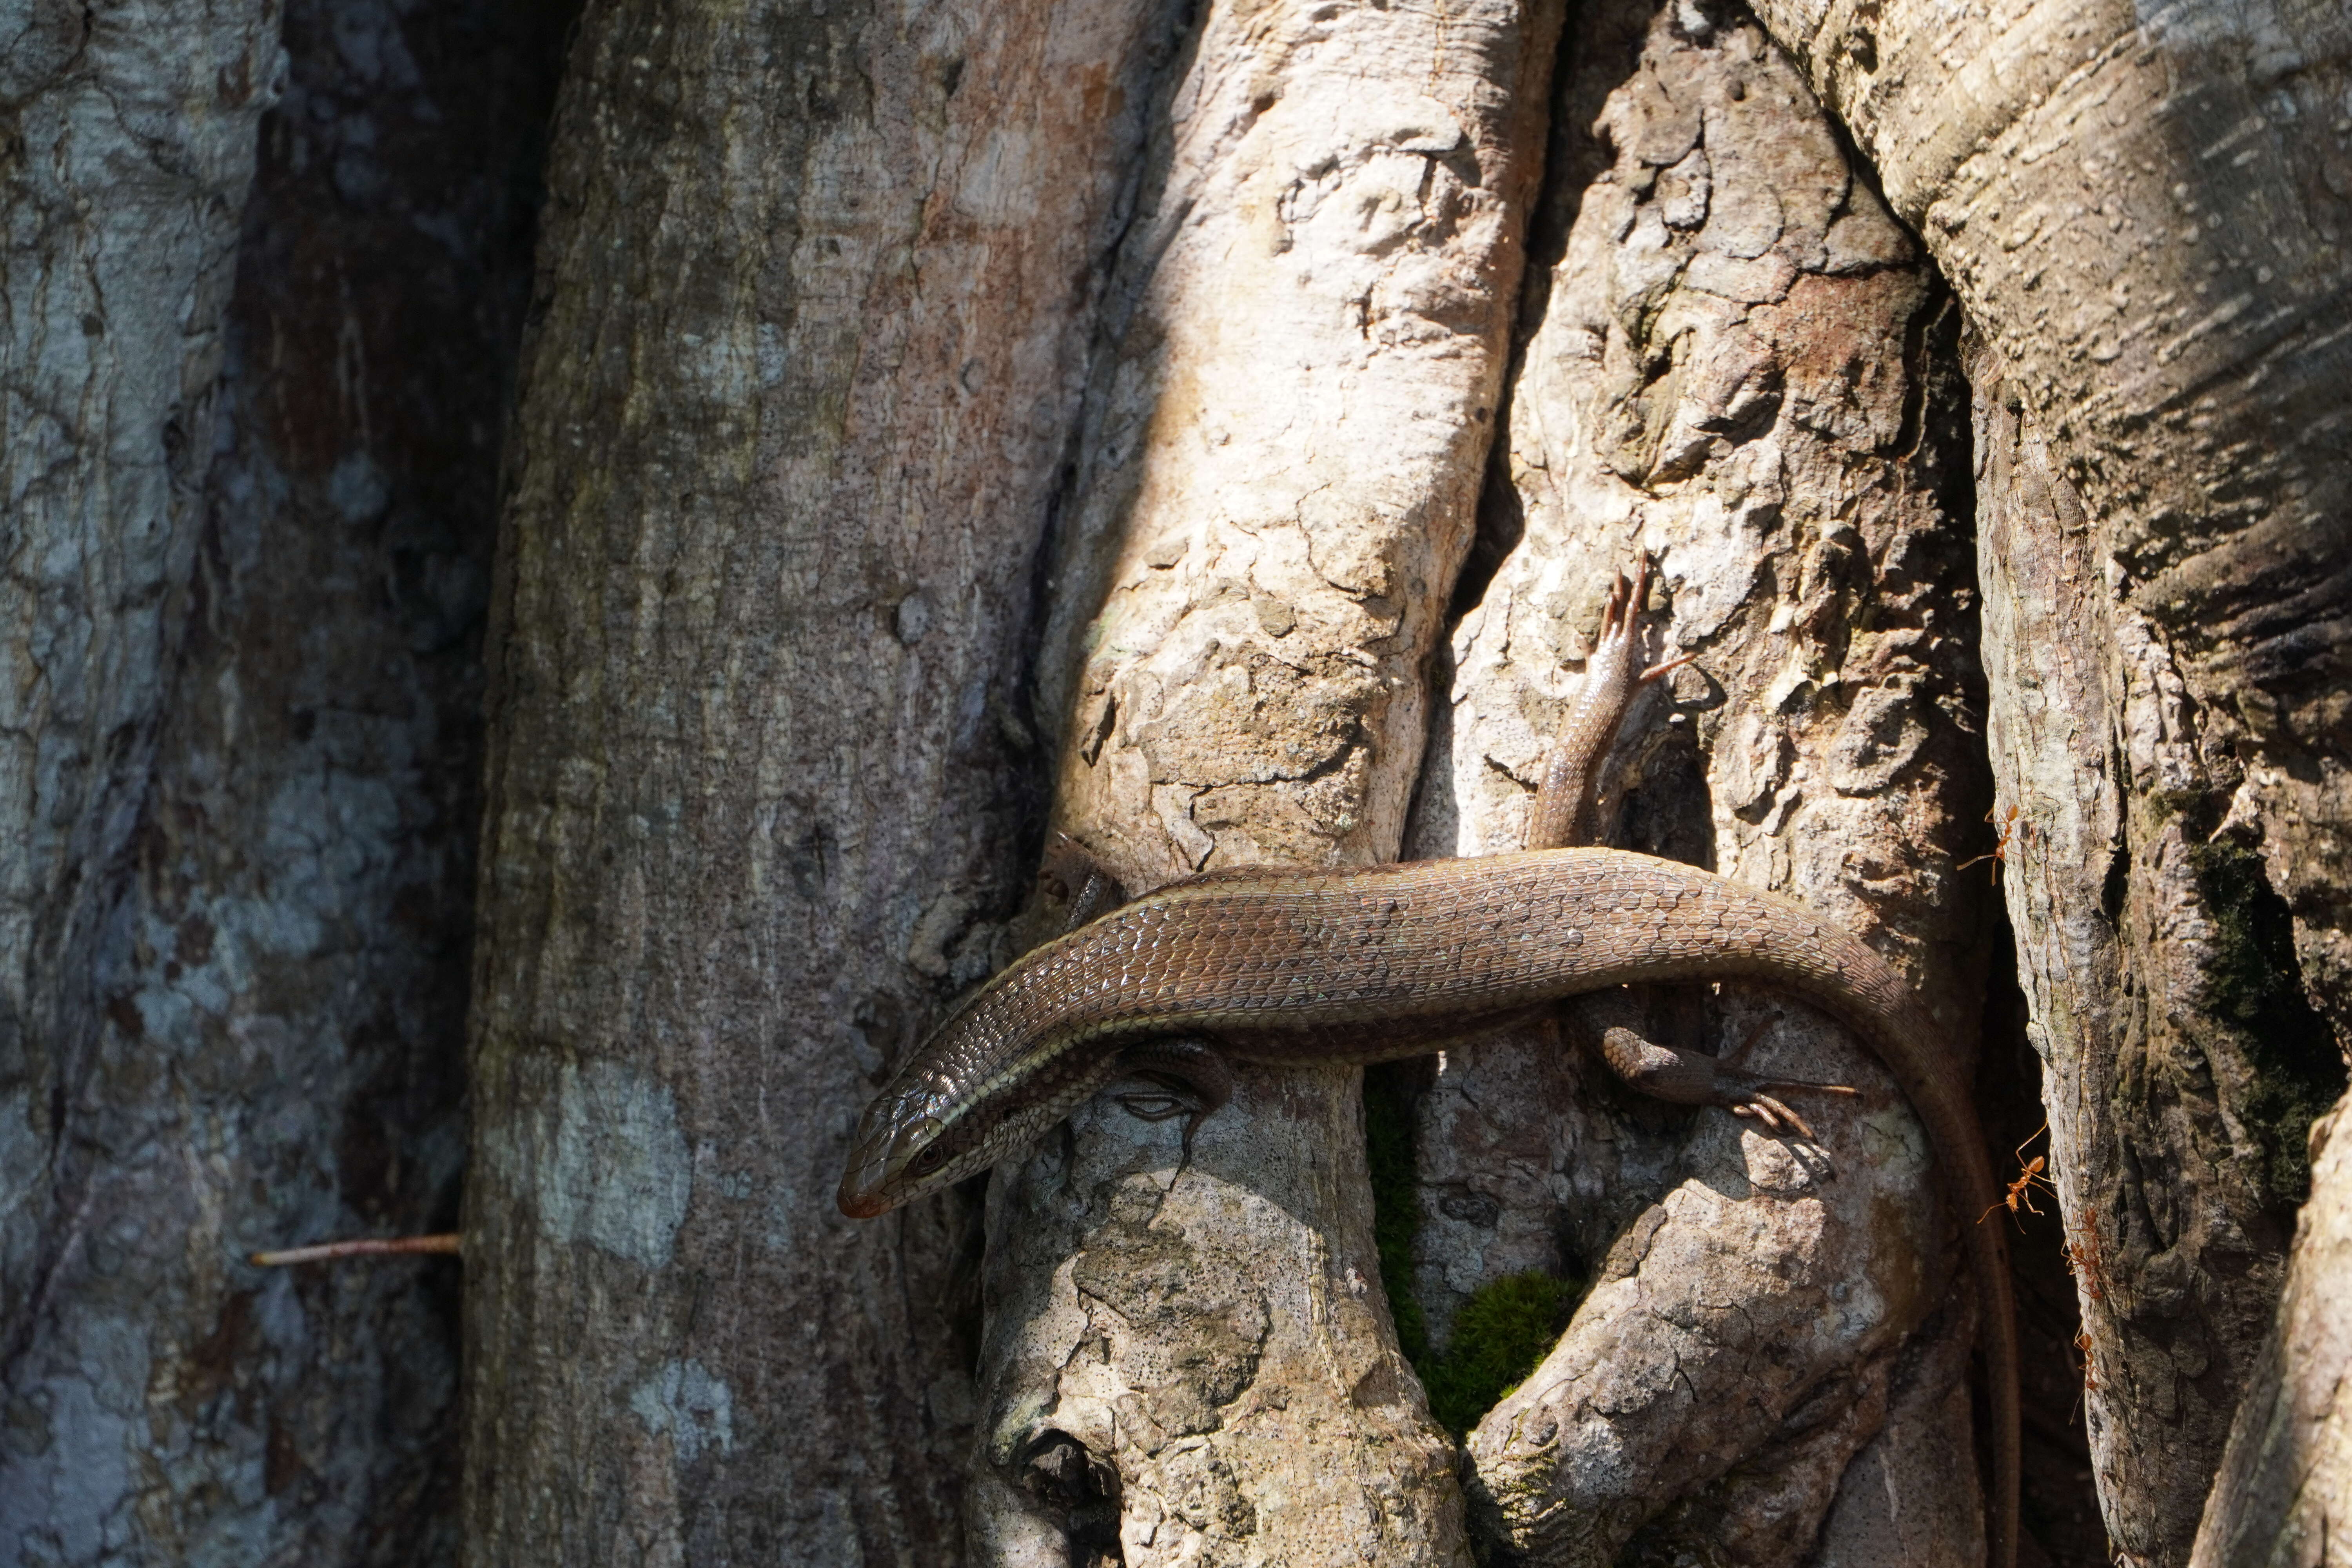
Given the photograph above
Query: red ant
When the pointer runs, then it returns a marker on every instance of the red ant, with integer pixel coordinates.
(2020, 1191)
(2010, 828)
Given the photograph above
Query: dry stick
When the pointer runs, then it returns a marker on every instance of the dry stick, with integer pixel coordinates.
(389, 1247)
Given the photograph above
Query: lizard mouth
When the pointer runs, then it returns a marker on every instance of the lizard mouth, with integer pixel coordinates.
(865, 1183)
(860, 1203)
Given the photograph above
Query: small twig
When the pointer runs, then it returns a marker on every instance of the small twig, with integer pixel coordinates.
(385, 1246)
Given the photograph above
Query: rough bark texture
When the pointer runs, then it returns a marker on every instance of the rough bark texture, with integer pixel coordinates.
(129, 134)
(2285, 1487)
(1280, 466)
(817, 283)
(2145, 216)
(1742, 366)
(128, 145)
(2172, 1170)
(282, 1045)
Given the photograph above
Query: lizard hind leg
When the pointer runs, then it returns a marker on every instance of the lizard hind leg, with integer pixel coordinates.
(1693, 1077)
(1071, 877)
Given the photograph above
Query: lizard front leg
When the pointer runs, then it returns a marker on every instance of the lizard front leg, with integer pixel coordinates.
(1190, 1078)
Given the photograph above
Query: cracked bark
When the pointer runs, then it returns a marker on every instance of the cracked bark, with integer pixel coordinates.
(1742, 365)
(1279, 469)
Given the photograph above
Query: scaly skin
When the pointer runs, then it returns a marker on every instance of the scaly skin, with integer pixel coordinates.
(1357, 966)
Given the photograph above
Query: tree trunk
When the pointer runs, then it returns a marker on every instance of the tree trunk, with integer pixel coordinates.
(131, 136)
(1187, 1361)
(943, 428)
(286, 875)
(2279, 1500)
(2145, 220)
(815, 289)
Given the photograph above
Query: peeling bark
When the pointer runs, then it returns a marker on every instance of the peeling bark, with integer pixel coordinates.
(816, 290)
(1278, 471)
(1743, 366)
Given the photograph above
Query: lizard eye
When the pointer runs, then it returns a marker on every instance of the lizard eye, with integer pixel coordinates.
(933, 1153)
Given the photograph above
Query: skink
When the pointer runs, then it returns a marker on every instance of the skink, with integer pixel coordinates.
(1372, 964)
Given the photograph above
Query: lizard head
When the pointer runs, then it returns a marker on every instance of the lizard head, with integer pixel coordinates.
(986, 1087)
(931, 1127)
(906, 1144)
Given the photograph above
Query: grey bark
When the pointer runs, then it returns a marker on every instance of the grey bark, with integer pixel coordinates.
(1192, 1362)
(129, 138)
(1742, 366)
(816, 287)
(131, 133)
(278, 1053)
(2144, 214)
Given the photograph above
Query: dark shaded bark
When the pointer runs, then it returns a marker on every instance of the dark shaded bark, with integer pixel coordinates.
(122, 194)
(281, 1051)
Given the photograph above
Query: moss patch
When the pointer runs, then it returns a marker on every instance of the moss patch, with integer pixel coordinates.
(1499, 1336)
(1501, 1333)
(2255, 987)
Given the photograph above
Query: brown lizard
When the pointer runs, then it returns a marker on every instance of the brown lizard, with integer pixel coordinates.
(1376, 964)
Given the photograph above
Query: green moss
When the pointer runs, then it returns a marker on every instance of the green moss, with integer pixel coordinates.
(1499, 1337)
(1396, 1218)
(1501, 1333)
(2253, 988)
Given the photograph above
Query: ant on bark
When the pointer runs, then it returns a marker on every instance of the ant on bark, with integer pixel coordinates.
(2009, 830)
(2020, 1191)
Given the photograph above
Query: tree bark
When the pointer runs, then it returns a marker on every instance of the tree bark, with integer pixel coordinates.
(933, 413)
(1740, 364)
(133, 136)
(279, 1054)
(2144, 219)
(2279, 1501)
(130, 139)
(1190, 1360)
(815, 289)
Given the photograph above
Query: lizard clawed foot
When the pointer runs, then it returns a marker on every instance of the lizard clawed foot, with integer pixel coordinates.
(1743, 1092)
(1691, 1078)
(1621, 620)
(1773, 1113)
(1071, 877)
(1621, 615)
